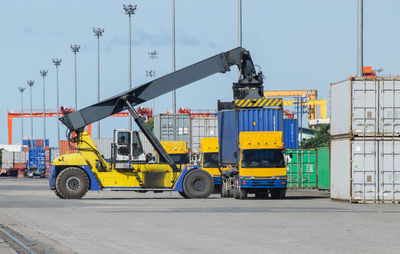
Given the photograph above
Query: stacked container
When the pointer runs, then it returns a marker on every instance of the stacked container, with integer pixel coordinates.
(302, 169)
(202, 127)
(365, 140)
(172, 127)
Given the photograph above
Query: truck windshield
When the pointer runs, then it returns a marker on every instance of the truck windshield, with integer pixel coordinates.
(263, 158)
(210, 160)
(179, 158)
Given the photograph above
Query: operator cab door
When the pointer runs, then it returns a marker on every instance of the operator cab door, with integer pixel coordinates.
(126, 148)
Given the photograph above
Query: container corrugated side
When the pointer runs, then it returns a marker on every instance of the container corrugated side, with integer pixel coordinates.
(365, 107)
(64, 147)
(232, 122)
(104, 146)
(302, 169)
(323, 171)
(366, 170)
(227, 137)
(202, 127)
(172, 127)
(290, 133)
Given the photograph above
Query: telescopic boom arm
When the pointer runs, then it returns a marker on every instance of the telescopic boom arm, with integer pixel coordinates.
(249, 81)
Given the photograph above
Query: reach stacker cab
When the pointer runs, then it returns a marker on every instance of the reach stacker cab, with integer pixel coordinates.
(72, 175)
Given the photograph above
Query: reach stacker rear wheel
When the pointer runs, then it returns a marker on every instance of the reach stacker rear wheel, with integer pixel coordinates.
(198, 184)
(72, 183)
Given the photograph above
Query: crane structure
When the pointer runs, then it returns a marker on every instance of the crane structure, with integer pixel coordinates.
(142, 111)
(73, 174)
(313, 102)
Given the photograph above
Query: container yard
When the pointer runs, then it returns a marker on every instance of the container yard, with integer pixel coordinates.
(251, 130)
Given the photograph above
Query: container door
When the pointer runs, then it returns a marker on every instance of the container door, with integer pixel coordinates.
(389, 170)
(323, 172)
(365, 107)
(364, 170)
(292, 169)
(389, 107)
(308, 169)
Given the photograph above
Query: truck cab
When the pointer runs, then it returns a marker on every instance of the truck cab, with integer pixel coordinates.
(261, 168)
(209, 160)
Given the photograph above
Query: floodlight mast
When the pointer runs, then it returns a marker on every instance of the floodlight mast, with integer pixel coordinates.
(130, 10)
(98, 32)
(30, 84)
(21, 90)
(43, 73)
(75, 49)
(57, 63)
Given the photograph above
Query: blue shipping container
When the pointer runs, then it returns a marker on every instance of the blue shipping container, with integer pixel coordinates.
(232, 122)
(37, 159)
(32, 143)
(290, 133)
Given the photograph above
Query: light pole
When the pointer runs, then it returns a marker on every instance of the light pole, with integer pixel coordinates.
(98, 32)
(57, 63)
(240, 23)
(30, 84)
(360, 73)
(21, 90)
(173, 55)
(75, 49)
(43, 73)
(153, 55)
(130, 10)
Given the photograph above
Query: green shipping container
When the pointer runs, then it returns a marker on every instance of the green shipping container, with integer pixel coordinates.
(323, 168)
(302, 169)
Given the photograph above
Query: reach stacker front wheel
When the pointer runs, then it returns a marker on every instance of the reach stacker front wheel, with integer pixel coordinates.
(72, 183)
(198, 184)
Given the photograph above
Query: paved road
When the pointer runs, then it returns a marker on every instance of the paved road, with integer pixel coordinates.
(129, 222)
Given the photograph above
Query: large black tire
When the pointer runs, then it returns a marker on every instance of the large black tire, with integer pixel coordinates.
(198, 184)
(278, 193)
(237, 192)
(72, 183)
(183, 194)
(58, 194)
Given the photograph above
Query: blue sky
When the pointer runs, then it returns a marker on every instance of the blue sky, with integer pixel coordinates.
(299, 45)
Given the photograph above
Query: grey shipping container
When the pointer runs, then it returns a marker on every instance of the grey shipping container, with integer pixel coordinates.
(104, 146)
(202, 127)
(14, 157)
(147, 147)
(172, 127)
(366, 169)
(365, 107)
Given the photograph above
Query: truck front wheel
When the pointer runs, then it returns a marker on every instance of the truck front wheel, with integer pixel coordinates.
(198, 184)
(72, 183)
(278, 193)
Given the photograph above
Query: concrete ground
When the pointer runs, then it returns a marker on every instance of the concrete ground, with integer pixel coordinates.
(128, 222)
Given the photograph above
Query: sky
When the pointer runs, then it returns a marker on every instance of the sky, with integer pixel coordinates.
(298, 45)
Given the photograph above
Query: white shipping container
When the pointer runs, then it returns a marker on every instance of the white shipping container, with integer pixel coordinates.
(366, 107)
(366, 170)
(7, 165)
(202, 127)
(147, 147)
(11, 148)
(104, 146)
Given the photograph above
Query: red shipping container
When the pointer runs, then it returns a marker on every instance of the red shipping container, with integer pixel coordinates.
(39, 142)
(19, 165)
(66, 147)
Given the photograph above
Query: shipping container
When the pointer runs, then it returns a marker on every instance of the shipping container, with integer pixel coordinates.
(147, 146)
(66, 147)
(35, 142)
(104, 146)
(37, 159)
(14, 157)
(202, 127)
(365, 169)
(323, 166)
(19, 165)
(11, 148)
(232, 122)
(365, 107)
(301, 169)
(290, 133)
(172, 127)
